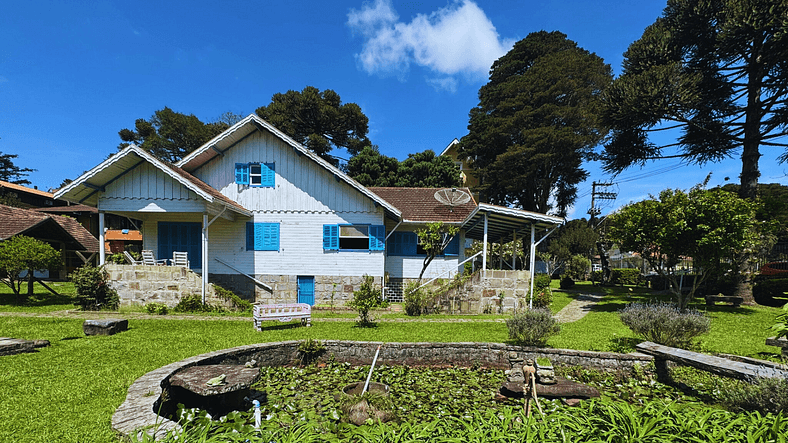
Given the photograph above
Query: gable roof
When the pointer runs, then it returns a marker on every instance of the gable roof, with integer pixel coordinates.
(224, 141)
(18, 221)
(419, 204)
(85, 188)
(446, 149)
(20, 188)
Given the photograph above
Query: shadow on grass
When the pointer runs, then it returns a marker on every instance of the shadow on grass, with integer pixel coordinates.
(38, 299)
(70, 338)
(280, 327)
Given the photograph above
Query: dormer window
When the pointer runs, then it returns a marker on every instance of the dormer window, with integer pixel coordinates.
(255, 174)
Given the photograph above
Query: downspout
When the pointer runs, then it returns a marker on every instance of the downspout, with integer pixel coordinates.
(101, 239)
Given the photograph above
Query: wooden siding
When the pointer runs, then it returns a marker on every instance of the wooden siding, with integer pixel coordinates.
(301, 184)
(410, 266)
(148, 189)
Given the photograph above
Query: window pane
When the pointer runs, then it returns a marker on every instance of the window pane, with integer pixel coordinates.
(354, 231)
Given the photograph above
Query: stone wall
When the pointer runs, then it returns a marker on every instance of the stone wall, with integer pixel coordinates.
(140, 285)
(285, 288)
(483, 293)
(137, 411)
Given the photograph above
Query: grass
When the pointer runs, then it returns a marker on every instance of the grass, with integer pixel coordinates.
(69, 391)
(42, 300)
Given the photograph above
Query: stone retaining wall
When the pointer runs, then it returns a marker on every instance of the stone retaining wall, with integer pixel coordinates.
(141, 284)
(285, 288)
(484, 293)
(138, 411)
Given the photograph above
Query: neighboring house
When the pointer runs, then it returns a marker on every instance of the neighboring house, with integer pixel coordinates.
(118, 240)
(28, 198)
(467, 173)
(262, 214)
(65, 234)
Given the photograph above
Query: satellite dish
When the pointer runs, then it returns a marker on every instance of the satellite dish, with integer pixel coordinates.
(452, 197)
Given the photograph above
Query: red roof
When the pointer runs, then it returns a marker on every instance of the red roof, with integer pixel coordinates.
(420, 205)
(20, 188)
(15, 221)
(69, 208)
(118, 234)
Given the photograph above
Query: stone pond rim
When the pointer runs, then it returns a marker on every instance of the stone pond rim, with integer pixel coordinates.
(138, 411)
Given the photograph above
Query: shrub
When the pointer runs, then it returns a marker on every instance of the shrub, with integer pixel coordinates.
(566, 282)
(577, 267)
(366, 298)
(532, 327)
(664, 323)
(118, 259)
(93, 291)
(625, 276)
(543, 295)
(156, 308)
(781, 327)
(768, 395)
(309, 350)
(418, 301)
(239, 303)
(764, 291)
(193, 303)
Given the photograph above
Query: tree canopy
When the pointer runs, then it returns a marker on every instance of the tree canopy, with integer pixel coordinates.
(21, 253)
(713, 69)
(9, 172)
(170, 135)
(318, 120)
(420, 170)
(537, 120)
(712, 227)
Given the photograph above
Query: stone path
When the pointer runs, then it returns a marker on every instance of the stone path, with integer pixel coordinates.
(578, 308)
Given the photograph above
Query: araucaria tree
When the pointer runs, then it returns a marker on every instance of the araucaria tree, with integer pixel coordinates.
(170, 135)
(21, 253)
(537, 120)
(9, 172)
(318, 120)
(433, 240)
(713, 69)
(711, 227)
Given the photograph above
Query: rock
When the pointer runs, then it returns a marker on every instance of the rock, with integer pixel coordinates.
(110, 326)
(563, 388)
(571, 401)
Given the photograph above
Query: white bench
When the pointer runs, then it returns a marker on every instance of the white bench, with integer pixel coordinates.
(283, 313)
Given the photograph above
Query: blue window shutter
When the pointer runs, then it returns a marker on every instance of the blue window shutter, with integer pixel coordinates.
(377, 238)
(242, 173)
(330, 236)
(270, 236)
(453, 248)
(249, 236)
(410, 243)
(268, 176)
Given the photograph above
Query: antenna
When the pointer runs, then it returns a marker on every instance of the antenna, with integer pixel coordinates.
(452, 197)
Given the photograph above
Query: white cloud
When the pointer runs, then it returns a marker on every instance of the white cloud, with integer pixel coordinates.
(456, 40)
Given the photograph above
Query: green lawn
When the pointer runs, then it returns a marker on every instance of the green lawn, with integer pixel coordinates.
(42, 300)
(69, 391)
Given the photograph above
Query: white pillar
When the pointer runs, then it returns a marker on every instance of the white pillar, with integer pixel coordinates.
(484, 254)
(102, 254)
(204, 255)
(532, 264)
(514, 250)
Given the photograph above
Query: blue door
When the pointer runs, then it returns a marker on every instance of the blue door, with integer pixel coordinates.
(306, 290)
(181, 236)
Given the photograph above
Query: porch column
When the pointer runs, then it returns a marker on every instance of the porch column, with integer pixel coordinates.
(102, 254)
(204, 255)
(500, 256)
(514, 250)
(532, 264)
(484, 248)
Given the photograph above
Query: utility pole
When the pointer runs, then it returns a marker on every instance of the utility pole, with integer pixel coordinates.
(601, 245)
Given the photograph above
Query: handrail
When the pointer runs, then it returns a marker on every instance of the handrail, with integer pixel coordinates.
(270, 289)
(458, 265)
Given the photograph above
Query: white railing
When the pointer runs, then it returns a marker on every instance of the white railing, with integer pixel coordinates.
(450, 270)
(270, 289)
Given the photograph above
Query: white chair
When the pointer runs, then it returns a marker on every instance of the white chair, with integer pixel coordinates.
(130, 259)
(149, 259)
(180, 259)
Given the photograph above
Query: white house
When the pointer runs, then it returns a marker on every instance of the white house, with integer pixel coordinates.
(262, 214)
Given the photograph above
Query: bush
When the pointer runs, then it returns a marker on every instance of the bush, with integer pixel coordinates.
(310, 350)
(664, 323)
(543, 295)
(532, 327)
(156, 308)
(118, 259)
(577, 267)
(768, 395)
(93, 291)
(625, 276)
(566, 282)
(764, 291)
(193, 303)
(418, 301)
(239, 303)
(366, 298)
(781, 327)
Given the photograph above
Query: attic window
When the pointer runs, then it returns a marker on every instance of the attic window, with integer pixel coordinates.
(255, 174)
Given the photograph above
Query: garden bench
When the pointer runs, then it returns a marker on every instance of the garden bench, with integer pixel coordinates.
(717, 365)
(735, 301)
(283, 313)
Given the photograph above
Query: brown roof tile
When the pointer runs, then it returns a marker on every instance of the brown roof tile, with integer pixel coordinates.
(419, 204)
(205, 187)
(14, 221)
(70, 208)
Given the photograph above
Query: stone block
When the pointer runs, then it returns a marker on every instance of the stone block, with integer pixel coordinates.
(110, 326)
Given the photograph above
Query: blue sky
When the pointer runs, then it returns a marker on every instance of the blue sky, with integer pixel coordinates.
(72, 74)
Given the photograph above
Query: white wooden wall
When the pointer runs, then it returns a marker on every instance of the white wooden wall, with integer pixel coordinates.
(148, 189)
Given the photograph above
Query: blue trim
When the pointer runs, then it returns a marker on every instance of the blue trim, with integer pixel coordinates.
(331, 237)
(242, 173)
(262, 236)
